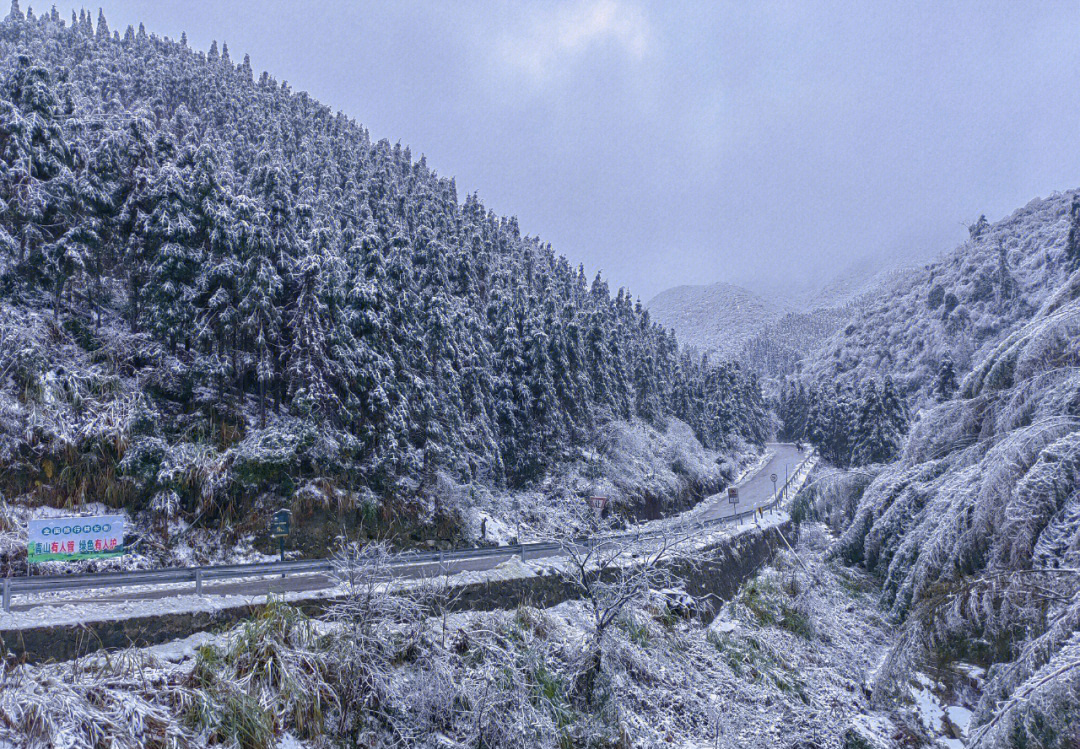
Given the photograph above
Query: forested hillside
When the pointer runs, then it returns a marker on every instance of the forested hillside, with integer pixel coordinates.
(769, 331)
(974, 530)
(953, 310)
(216, 295)
(776, 350)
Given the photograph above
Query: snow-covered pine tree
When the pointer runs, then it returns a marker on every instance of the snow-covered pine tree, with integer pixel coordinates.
(175, 257)
(35, 173)
(979, 228)
(312, 374)
(896, 409)
(260, 292)
(945, 383)
(876, 438)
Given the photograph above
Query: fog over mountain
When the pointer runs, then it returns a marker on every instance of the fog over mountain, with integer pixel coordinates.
(676, 143)
(770, 330)
(716, 319)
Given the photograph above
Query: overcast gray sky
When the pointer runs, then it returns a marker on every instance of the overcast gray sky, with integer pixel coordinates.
(669, 143)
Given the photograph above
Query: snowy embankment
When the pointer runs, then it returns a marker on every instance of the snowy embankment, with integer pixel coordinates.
(785, 664)
(644, 472)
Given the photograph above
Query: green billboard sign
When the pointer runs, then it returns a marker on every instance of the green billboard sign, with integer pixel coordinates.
(70, 538)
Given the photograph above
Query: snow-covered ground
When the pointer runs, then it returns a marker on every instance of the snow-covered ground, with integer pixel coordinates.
(785, 664)
(634, 465)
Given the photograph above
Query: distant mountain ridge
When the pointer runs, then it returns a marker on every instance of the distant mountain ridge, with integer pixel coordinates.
(715, 319)
(770, 327)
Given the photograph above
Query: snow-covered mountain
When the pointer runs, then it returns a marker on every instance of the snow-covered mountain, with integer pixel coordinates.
(957, 307)
(716, 319)
(770, 325)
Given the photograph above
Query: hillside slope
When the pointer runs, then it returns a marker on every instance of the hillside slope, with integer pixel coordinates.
(769, 330)
(778, 349)
(217, 297)
(957, 307)
(975, 530)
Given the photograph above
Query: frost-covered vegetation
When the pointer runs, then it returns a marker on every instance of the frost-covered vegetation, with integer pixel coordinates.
(777, 349)
(783, 664)
(974, 532)
(847, 425)
(955, 308)
(218, 296)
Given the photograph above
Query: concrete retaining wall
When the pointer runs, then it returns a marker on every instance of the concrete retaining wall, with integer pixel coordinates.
(734, 561)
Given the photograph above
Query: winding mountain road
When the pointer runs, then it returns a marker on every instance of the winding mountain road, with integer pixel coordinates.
(754, 492)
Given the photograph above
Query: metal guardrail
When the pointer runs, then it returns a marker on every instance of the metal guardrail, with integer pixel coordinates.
(199, 575)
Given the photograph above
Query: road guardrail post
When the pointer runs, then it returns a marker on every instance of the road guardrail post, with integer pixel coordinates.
(7, 594)
(198, 581)
(522, 546)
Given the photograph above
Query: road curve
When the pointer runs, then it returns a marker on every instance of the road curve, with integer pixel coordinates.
(757, 490)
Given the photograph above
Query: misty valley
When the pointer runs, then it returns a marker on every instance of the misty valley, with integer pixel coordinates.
(300, 447)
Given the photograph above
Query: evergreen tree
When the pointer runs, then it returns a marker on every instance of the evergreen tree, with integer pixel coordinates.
(312, 374)
(945, 382)
(896, 410)
(35, 175)
(175, 257)
(979, 228)
(832, 425)
(876, 437)
(260, 291)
